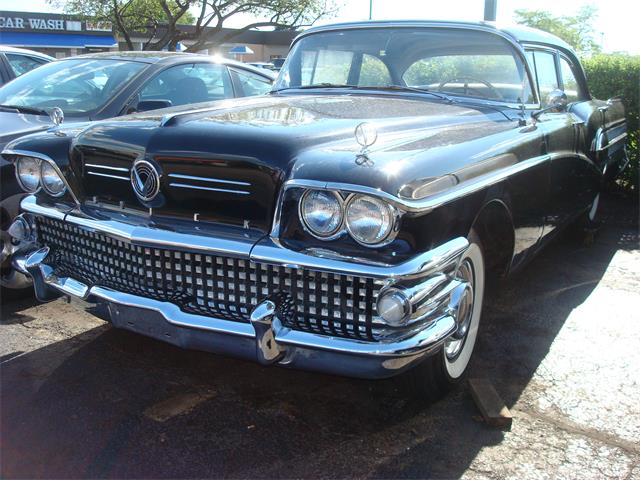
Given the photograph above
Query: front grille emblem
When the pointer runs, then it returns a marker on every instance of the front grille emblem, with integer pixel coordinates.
(145, 180)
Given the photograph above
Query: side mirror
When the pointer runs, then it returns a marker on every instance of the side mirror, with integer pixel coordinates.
(146, 105)
(557, 101)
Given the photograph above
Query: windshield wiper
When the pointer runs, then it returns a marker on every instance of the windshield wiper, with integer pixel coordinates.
(22, 109)
(405, 88)
(315, 85)
(400, 88)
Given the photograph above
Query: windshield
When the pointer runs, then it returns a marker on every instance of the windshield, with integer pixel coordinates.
(79, 87)
(457, 62)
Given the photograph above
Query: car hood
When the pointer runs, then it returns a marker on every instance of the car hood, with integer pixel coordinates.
(313, 136)
(14, 125)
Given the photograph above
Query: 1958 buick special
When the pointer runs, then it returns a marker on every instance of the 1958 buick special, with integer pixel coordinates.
(346, 222)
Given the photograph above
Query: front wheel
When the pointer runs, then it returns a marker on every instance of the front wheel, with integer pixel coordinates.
(439, 373)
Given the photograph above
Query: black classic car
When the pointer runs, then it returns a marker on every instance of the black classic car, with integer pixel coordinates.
(345, 223)
(104, 85)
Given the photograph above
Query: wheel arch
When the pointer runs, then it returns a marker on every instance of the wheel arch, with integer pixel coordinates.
(494, 225)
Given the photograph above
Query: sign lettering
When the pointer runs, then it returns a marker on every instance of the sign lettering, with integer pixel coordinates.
(31, 23)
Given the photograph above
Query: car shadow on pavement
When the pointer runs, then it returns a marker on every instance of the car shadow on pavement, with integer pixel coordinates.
(116, 404)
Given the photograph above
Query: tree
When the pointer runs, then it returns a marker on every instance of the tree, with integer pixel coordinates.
(146, 16)
(576, 30)
(163, 21)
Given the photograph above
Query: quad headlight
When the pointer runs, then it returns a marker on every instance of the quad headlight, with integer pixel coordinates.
(51, 180)
(28, 173)
(321, 212)
(327, 214)
(33, 173)
(369, 220)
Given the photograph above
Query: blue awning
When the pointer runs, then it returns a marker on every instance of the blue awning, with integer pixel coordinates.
(64, 40)
(241, 50)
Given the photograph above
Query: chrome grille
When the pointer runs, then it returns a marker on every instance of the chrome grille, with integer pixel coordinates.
(223, 287)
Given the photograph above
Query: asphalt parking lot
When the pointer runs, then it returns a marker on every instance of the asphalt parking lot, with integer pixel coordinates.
(560, 342)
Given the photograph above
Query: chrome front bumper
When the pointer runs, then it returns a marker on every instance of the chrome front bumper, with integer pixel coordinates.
(265, 339)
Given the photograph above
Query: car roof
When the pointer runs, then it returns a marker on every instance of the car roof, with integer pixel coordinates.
(517, 33)
(152, 57)
(8, 49)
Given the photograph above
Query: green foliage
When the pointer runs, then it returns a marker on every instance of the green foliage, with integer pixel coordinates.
(160, 19)
(619, 75)
(576, 30)
(135, 15)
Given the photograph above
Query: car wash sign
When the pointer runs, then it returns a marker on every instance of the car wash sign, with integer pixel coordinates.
(32, 23)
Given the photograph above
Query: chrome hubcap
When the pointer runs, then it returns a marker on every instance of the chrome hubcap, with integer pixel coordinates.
(464, 312)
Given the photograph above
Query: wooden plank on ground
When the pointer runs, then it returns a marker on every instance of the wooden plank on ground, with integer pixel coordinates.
(491, 406)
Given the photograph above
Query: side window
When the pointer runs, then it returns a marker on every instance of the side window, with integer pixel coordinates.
(373, 72)
(546, 74)
(216, 80)
(191, 83)
(250, 83)
(21, 64)
(569, 82)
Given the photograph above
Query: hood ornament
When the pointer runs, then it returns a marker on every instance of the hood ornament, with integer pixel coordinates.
(56, 115)
(366, 135)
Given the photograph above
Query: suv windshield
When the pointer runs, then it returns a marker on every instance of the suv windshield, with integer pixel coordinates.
(79, 87)
(459, 62)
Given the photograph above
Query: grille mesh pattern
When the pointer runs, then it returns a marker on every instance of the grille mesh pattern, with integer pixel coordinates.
(223, 287)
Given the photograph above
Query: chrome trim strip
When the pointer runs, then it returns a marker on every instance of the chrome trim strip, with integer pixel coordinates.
(427, 204)
(119, 169)
(173, 314)
(43, 157)
(425, 339)
(210, 189)
(265, 250)
(438, 258)
(145, 236)
(599, 145)
(97, 174)
(206, 179)
(613, 141)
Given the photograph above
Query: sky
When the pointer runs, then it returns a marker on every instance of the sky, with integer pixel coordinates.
(616, 24)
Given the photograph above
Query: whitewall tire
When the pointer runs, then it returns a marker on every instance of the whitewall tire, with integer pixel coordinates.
(439, 373)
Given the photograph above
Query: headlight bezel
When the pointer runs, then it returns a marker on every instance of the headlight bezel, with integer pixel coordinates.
(58, 174)
(38, 168)
(345, 198)
(338, 231)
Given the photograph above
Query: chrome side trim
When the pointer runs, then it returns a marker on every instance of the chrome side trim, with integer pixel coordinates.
(265, 250)
(438, 258)
(208, 179)
(427, 204)
(45, 158)
(210, 189)
(107, 167)
(613, 141)
(97, 174)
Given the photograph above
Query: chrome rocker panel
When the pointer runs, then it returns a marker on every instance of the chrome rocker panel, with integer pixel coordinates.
(264, 339)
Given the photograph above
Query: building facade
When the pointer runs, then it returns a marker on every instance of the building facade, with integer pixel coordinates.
(64, 36)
